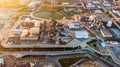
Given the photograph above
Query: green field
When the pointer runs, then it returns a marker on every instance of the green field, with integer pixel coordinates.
(69, 61)
(93, 44)
(60, 1)
(48, 15)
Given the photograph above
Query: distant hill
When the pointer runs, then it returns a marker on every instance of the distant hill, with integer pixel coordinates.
(13, 3)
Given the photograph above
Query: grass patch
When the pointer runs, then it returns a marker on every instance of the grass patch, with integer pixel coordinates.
(48, 15)
(93, 44)
(92, 35)
(60, 10)
(60, 1)
(44, 8)
(69, 61)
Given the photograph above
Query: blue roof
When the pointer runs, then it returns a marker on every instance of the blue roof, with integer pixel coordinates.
(116, 31)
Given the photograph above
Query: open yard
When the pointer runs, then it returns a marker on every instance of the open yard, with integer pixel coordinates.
(69, 61)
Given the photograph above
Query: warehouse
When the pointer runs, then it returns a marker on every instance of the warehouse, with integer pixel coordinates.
(81, 34)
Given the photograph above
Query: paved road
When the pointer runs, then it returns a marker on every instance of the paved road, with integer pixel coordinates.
(56, 53)
(53, 53)
(55, 61)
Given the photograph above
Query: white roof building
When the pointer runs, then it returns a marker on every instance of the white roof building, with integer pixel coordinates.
(107, 4)
(98, 11)
(37, 24)
(96, 2)
(103, 44)
(49, 65)
(81, 34)
(90, 5)
(27, 19)
(109, 24)
(116, 12)
(65, 3)
(16, 31)
(115, 42)
(34, 30)
(105, 1)
(74, 25)
(2, 61)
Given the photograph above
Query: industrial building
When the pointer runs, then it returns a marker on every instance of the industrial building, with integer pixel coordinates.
(28, 30)
(81, 34)
(2, 62)
(74, 26)
(116, 32)
(44, 31)
(105, 33)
